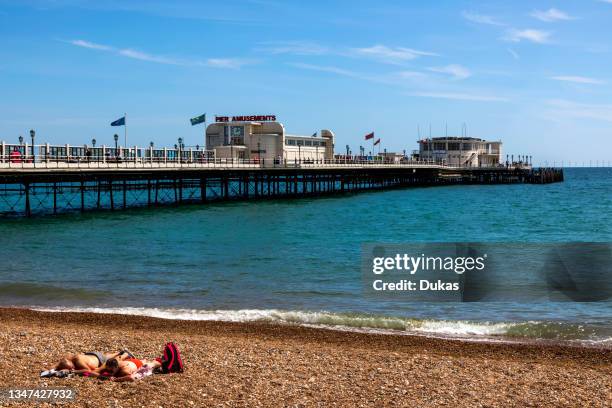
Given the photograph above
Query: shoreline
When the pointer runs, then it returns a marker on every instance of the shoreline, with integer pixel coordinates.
(389, 331)
(261, 364)
(218, 316)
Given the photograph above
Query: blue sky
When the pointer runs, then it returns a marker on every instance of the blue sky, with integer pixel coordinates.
(535, 74)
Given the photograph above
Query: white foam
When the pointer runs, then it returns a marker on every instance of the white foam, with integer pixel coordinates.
(311, 318)
(466, 330)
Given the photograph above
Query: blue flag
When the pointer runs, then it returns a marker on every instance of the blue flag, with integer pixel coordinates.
(119, 122)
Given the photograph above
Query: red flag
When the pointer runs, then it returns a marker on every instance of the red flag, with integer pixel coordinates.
(369, 136)
(377, 141)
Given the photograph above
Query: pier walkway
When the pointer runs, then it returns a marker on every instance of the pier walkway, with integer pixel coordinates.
(45, 185)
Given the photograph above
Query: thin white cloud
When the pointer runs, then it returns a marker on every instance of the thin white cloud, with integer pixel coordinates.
(90, 45)
(514, 54)
(481, 19)
(529, 34)
(550, 15)
(460, 96)
(411, 74)
(392, 55)
(324, 68)
(143, 56)
(378, 52)
(564, 109)
(456, 71)
(578, 79)
(295, 47)
(413, 78)
(606, 1)
(231, 63)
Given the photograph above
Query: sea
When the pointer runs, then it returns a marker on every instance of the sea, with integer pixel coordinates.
(298, 261)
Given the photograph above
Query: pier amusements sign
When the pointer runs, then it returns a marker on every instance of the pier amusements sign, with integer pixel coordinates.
(251, 118)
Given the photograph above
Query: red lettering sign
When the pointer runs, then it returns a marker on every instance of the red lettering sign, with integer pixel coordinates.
(251, 118)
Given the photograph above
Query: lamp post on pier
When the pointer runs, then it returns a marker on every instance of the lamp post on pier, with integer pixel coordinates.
(116, 138)
(32, 135)
(180, 147)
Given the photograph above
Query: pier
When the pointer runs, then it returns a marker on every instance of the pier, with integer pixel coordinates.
(46, 184)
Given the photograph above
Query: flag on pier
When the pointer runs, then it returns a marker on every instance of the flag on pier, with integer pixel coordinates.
(369, 136)
(198, 119)
(376, 142)
(119, 122)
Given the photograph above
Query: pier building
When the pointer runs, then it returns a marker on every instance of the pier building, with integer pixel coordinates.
(461, 151)
(262, 137)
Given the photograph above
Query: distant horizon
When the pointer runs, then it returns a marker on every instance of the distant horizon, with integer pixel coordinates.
(532, 74)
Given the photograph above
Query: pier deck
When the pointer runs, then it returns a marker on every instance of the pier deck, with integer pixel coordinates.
(53, 187)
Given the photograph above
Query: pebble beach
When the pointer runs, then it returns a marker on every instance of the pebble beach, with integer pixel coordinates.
(260, 364)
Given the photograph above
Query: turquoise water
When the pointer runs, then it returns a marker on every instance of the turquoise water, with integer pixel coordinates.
(299, 260)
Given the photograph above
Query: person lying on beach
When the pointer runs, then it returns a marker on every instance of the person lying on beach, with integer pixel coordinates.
(83, 362)
(129, 369)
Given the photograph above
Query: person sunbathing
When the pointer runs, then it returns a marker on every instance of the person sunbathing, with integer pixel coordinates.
(83, 362)
(128, 369)
(145, 369)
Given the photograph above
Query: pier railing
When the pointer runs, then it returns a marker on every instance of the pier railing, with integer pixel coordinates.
(46, 157)
(82, 162)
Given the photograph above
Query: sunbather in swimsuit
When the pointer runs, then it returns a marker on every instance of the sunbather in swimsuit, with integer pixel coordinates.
(79, 363)
(115, 369)
(146, 368)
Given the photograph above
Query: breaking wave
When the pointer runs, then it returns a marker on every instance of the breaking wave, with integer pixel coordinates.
(462, 329)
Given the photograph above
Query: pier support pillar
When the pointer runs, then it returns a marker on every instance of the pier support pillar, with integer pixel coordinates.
(28, 209)
(148, 192)
(180, 190)
(110, 193)
(98, 188)
(203, 190)
(82, 196)
(124, 194)
(54, 198)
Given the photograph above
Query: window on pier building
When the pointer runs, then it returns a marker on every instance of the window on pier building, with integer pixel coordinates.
(290, 142)
(453, 146)
(439, 146)
(237, 135)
